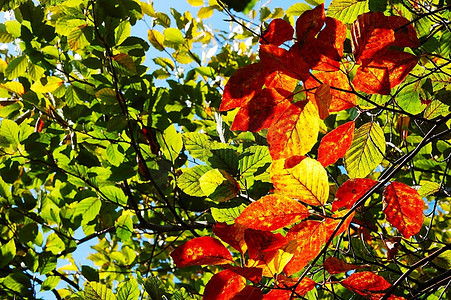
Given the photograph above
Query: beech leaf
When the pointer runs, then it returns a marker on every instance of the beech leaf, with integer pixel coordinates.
(249, 292)
(272, 212)
(366, 284)
(403, 208)
(201, 251)
(232, 235)
(310, 23)
(253, 274)
(331, 223)
(351, 191)
(334, 265)
(335, 144)
(278, 32)
(306, 180)
(261, 242)
(323, 99)
(224, 285)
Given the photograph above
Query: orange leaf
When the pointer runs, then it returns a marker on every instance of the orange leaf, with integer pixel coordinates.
(366, 284)
(323, 98)
(278, 294)
(232, 235)
(385, 72)
(310, 236)
(243, 85)
(272, 212)
(306, 181)
(331, 223)
(278, 32)
(294, 132)
(334, 265)
(261, 243)
(280, 81)
(302, 288)
(351, 191)
(224, 285)
(403, 208)
(39, 125)
(309, 24)
(335, 144)
(249, 293)
(201, 251)
(340, 100)
(253, 274)
(259, 112)
(332, 37)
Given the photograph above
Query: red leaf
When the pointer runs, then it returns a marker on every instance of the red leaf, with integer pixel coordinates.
(253, 274)
(335, 144)
(372, 33)
(278, 32)
(39, 125)
(201, 251)
(331, 38)
(309, 24)
(279, 59)
(259, 112)
(272, 212)
(302, 288)
(294, 132)
(366, 284)
(243, 85)
(340, 100)
(384, 72)
(351, 191)
(259, 241)
(310, 236)
(278, 294)
(223, 286)
(403, 208)
(151, 138)
(331, 223)
(249, 293)
(232, 235)
(334, 265)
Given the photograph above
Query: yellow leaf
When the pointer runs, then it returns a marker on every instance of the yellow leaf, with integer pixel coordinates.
(205, 12)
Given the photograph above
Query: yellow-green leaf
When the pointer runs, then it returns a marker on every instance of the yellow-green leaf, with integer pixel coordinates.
(156, 39)
(218, 185)
(16, 67)
(98, 291)
(366, 151)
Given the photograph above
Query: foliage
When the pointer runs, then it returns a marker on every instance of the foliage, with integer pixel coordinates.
(315, 167)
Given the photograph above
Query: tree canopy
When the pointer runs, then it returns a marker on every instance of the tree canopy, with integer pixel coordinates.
(302, 153)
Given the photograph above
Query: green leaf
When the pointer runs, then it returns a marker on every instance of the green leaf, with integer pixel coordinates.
(98, 291)
(114, 194)
(152, 287)
(253, 161)
(297, 9)
(129, 291)
(17, 282)
(77, 38)
(347, 11)
(366, 151)
(90, 273)
(428, 188)
(115, 154)
(218, 185)
(54, 244)
(124, 63)
(189, 183)
(50, 283)
(173, 37)
(7, 252)
(9, 130)
(198, 145)
(16, 67)
(171, 143)
(122, 32)
(224, 158)
(89, 208)
(436, 109)
(409, 96)
(124, 225)
(227, 215)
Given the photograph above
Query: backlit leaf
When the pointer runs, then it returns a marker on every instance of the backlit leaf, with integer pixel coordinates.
(310, 236)
(224, 285)
(261, 242)
(351, 191)
(252, 159)
(403, 208)
(201, 251)
(231, 234)
(366, 283)
(340, 99)
(306, 181)
(156, 38)
(89, 208)
(294, 132)
(334, 265)
(335, 144)
(253, 274)
(280, 81)
(366, 151)
(347, 10)
(77, 37)
(227, 214)
(297, 9)
(129, 291)
(330, 224)
(323, 99)
(310, 23)
(242, 86)
(173, 37)
(302, 288)
(219, 185)
(16, 67)
(198, 145)
(278, 32)
(272, 212)
(98, 291)
(125, 63)
(384, 72)
(124, 225)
